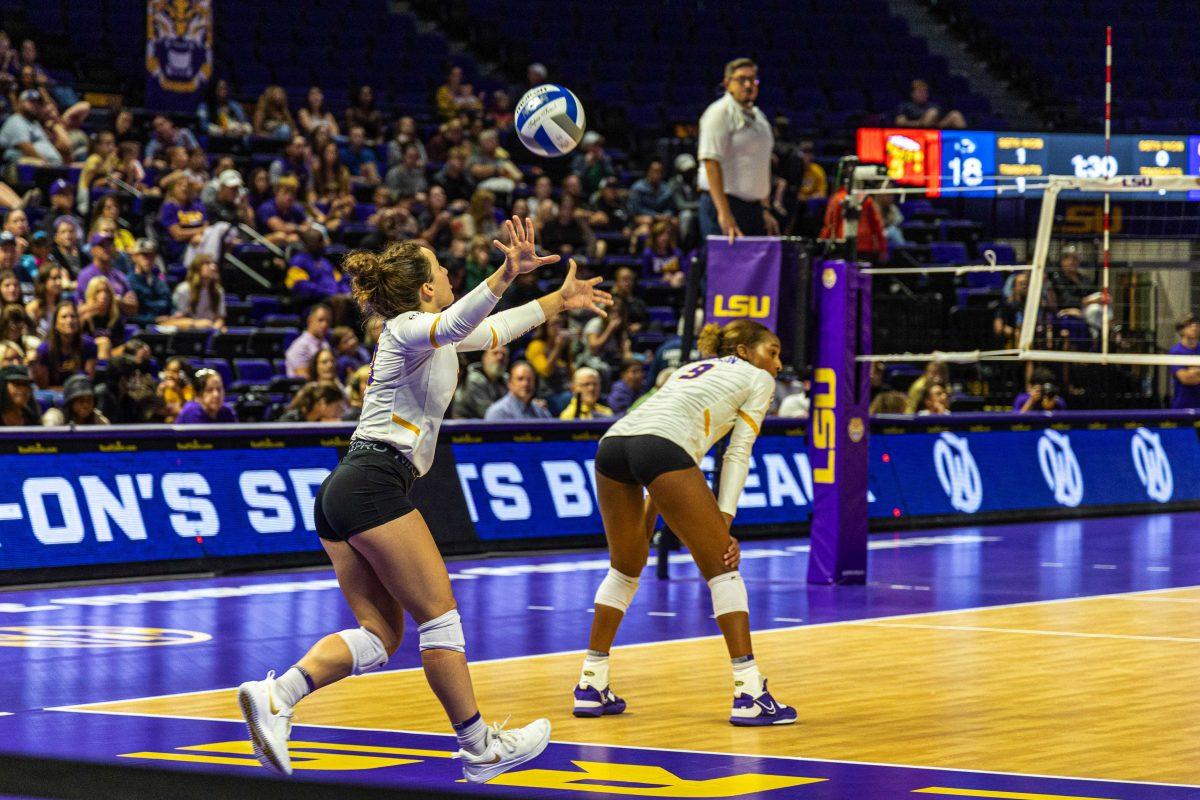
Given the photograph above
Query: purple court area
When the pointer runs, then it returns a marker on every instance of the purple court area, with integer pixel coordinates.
(261, 622)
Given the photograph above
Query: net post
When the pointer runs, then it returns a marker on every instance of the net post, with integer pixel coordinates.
(667, 540)
(839, 427)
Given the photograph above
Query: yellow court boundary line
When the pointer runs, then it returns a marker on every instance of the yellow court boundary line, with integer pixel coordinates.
(891, 765)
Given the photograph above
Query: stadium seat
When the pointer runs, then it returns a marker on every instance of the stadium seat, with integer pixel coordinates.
(232, 343)
(252, 374)
(190, 343)
(948, 252)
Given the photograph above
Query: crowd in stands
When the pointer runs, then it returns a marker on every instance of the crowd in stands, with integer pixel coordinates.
(127, 251)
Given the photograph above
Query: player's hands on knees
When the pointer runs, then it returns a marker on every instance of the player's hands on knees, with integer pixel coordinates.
(520, 254)
(733, 555)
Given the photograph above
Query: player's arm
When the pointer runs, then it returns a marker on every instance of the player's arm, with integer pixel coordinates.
(1188, 376)
(508, 325)
(429, 331)
(736, 464)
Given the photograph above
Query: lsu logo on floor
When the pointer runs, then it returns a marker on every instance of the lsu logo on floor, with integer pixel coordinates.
(94, 636)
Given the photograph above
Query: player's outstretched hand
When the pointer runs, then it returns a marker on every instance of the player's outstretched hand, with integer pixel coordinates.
(520, 256)
(578, 293)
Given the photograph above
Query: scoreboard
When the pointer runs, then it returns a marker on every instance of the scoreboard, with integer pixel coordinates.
(974, 163)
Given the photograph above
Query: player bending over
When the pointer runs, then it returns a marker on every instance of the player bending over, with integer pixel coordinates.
(382, 552)
(659, 446)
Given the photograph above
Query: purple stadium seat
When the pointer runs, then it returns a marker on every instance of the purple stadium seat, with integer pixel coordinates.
(948, 252)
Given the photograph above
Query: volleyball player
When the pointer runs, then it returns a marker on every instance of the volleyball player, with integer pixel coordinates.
(385, 559)
(659, 445)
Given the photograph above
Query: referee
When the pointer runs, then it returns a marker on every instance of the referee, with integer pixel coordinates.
(735, 151)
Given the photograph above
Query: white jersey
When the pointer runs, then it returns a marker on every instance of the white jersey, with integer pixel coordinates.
(699, 404)
(415, 368)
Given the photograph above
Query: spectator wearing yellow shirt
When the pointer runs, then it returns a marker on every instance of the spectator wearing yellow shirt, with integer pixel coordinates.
(813, 183)
(585, 400)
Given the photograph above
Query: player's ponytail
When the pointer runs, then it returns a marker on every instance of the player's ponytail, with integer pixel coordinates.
(709, 341)
(388, 283)
(723, 340)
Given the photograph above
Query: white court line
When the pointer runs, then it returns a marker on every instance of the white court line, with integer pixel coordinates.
(662, 613)
(706, 637)
(1165, 599)
(540, 608)
(787, 619)
(609, 745)
(1029, 631)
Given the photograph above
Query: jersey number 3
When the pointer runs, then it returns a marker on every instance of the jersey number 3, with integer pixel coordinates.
(696, 371)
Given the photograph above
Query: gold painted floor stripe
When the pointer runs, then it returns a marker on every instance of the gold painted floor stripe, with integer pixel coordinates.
(1002, 795)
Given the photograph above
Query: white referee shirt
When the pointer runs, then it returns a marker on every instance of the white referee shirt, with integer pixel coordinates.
(700, 403)
(741, 141)
(415, 368)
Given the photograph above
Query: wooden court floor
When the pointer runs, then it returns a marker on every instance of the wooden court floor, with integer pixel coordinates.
(1097, 687)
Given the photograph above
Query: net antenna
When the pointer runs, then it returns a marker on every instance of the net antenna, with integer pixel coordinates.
(1105, 294)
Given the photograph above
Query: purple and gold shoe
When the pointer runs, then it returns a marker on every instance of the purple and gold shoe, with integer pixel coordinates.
(762, 710)
(591, 702)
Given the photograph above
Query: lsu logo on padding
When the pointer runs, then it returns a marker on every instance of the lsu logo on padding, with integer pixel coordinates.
(824, 424)
(742, 305)
(1152, 465)
(958, 473)
(1060, 468)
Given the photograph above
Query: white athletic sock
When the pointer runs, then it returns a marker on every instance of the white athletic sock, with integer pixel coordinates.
(595, 670)
(472, 735)
(291, 687)
(747, 679)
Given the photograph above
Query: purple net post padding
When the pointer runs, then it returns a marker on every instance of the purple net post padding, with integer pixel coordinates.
(839, 425)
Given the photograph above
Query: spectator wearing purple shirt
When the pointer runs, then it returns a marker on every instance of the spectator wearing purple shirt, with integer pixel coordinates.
(629, 388)
(183, 219)
(65, 351)
(1186, 380)
(311, 277)
(209, 407)
(300, 353)
(281, 219)
(103, 264)
(1041, 394)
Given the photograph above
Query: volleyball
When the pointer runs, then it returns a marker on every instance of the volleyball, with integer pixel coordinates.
(550, 120)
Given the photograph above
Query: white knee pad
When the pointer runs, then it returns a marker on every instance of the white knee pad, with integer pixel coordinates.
(729, 594)
(444, 633)
(616, 590)
(366, 649)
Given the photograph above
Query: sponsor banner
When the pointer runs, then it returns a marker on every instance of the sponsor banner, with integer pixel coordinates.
(960, 472)
(103, 508)
(179, 52)
(744, 280)
(157, 495)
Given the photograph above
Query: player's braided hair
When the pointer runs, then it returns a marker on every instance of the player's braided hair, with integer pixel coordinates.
(723, 340)
(388, 283)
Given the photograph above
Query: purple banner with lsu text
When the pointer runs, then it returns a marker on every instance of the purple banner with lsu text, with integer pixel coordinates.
(839, 425)
(744, 280)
